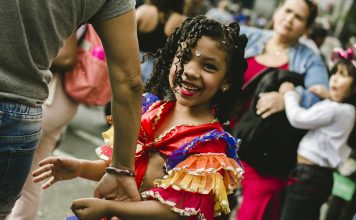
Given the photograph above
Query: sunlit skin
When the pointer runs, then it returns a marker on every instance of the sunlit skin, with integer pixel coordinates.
(340, 84)
(203, 76)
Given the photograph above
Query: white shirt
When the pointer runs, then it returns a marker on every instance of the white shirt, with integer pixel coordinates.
(329, 123)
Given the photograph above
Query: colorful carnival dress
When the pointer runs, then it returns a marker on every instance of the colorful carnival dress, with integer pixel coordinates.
(202, 166)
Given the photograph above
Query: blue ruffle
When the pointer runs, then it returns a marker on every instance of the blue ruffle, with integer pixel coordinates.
(147, 100)
(181, 154)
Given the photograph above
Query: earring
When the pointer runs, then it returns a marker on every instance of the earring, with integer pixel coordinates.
(198, 53)
(225, 88)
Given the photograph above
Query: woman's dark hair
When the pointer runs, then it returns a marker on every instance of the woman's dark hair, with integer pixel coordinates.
(224, 103)
(313, 12)
(351, 69)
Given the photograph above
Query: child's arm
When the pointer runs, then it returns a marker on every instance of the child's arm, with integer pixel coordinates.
(314, 117)
(61, 168)
(93, 209)
(320, 91)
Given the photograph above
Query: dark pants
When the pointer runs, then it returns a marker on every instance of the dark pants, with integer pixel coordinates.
(311, 188)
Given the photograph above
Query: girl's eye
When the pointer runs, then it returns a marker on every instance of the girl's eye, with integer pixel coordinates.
(210, 67)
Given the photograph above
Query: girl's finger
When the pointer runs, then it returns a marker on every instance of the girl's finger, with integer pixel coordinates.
(49, 183)
(42, 169)
(42, 177)
(48, 160)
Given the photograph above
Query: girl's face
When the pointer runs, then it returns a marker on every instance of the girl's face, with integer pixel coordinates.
(203, 75)
(340, 84)
(289, 21)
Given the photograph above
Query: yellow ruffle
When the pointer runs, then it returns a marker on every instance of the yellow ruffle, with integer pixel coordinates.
(109, 136)
(200, 173)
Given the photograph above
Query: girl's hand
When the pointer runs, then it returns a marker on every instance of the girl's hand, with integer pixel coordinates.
(269, 103)
(90, 208)
(320, 91)
(56, 169)
(285, 87)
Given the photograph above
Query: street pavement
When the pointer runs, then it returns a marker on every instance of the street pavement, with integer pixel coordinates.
(82, 137)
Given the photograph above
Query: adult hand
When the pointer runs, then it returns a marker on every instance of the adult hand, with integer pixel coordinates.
(119, 188)
(269, 103)
(56, 169)
(320, 91)
(285, 87)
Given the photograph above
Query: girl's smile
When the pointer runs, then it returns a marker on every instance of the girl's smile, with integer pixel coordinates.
(203, 75)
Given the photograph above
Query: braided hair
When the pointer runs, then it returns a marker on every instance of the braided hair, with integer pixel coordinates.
(192, 29)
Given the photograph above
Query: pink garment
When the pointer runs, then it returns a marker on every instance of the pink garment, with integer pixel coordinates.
(261, 195)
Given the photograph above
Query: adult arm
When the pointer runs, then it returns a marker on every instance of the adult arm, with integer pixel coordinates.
(174, 21)
(67, 56)
(119, 39)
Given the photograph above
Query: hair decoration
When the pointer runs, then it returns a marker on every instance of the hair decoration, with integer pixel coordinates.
(349, 54)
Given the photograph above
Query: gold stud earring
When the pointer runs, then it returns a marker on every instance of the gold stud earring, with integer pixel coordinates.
(225, 88)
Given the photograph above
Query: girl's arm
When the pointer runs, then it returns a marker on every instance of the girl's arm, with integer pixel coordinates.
(93, 209)
(60, 168)
(314, 117)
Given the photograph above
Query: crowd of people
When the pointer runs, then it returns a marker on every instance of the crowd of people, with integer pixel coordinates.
(208, 114)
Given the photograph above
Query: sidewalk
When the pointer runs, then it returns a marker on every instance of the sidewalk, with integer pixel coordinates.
(83, 136)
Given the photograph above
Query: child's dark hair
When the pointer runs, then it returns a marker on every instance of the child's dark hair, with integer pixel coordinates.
(189, 33)
(351, 69)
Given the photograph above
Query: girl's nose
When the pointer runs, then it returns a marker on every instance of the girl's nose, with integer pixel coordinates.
(191, 71)
(333, 78)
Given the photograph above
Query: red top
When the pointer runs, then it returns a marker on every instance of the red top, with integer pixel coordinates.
(254, 68)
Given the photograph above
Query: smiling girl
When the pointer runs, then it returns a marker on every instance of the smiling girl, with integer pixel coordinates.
(195, 86)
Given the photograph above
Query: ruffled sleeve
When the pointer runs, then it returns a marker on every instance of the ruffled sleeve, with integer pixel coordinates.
(199, 185)
(148, 99)
(105, 152)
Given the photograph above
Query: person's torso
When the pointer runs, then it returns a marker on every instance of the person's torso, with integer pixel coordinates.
(327, 145)
(32, 34)
(169, 141)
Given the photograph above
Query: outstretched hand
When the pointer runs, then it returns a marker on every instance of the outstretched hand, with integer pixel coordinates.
(56, 169)
(118, 188)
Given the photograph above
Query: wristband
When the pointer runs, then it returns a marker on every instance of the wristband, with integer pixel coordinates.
(119, 172)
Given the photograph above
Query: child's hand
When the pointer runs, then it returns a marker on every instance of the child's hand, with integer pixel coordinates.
(285, 87)
(56, 169)
(320, 91)
(90, 208)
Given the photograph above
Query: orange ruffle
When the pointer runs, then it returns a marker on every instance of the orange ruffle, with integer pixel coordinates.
(205, 173)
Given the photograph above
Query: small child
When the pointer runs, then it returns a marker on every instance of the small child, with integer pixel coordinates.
(194, 88)
(326, 144)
